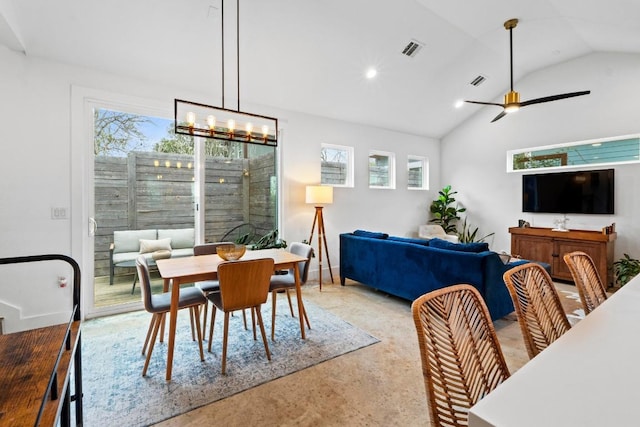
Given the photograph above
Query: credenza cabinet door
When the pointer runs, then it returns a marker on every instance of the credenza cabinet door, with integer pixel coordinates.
(533, 248)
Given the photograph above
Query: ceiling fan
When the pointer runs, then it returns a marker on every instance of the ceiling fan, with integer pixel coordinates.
(512, 98)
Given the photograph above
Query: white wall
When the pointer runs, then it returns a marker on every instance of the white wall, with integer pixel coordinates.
(38, 146)
(474, 155)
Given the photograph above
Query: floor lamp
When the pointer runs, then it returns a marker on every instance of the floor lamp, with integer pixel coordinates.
(319, 195)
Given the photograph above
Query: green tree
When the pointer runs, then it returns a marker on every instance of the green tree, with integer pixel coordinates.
(116, 132)
(175, 143)
(184, 144)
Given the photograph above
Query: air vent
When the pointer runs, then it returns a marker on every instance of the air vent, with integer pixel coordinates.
(478, 80)
(412, 48)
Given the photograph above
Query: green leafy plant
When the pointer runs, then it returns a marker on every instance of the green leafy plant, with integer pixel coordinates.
(444, 212)
(270, 241)
(468, 236)
(625, 269)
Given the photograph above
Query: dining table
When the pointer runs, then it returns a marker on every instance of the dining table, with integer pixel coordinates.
(178, 271)
(587, 377)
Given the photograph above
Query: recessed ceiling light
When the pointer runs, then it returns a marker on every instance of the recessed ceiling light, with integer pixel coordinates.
(459, 103)
(371, 73)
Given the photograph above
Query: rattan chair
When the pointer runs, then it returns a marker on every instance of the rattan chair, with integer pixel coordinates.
(461, 357)
(243, 284)
(159, 305)
(538, 308)
(585, 275)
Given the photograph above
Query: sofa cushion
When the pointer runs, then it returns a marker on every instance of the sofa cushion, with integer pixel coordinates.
(423, 242)
(181, 238)
(129, 240)
(461, 247)
(148, 246)
(370, 234)
(177, 253)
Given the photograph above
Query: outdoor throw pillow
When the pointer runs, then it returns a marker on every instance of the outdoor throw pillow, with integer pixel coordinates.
(462, 247)
(147, 246)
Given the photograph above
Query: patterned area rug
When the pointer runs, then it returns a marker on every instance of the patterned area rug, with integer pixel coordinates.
(570, 300)
(115, 393)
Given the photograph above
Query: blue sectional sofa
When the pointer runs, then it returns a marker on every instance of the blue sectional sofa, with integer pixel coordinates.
(408, 268)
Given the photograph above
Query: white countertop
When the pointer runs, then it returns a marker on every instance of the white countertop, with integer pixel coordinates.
(588, 377)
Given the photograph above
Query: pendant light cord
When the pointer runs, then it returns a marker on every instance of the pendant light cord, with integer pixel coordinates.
(222, 47)
(237, 49)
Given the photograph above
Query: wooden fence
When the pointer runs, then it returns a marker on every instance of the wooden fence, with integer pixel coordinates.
(156, 190)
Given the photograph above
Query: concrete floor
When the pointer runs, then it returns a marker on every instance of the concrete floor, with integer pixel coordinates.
(380, 385)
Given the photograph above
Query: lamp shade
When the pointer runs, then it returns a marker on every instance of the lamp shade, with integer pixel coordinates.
(319, 194)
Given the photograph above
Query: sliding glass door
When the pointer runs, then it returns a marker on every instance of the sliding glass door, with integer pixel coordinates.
(148, 178)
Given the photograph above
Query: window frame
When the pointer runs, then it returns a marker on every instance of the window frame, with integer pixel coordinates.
(391, 185)
(545, 155)
(425, 171)
(349, 163)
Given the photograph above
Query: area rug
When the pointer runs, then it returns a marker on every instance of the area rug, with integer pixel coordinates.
(116, 394)
(570, 300)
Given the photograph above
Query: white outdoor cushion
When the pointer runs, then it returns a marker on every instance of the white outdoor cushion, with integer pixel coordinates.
(181, 238)
(148, 246)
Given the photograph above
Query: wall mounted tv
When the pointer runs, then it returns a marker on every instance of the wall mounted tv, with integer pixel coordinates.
(578, 192)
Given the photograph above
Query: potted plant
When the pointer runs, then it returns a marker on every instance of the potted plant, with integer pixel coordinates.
(444, 212)
(625, 269)
(270, 241)
(468, 236)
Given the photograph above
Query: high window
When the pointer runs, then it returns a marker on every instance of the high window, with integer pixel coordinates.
(336, 165)
(417, 173)
(382, 170)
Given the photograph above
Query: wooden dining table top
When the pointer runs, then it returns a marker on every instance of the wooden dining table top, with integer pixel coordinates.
(202, 267)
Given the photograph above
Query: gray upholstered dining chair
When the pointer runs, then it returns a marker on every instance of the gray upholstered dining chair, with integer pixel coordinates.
(159, 305)
(243, 284)
(286, 282)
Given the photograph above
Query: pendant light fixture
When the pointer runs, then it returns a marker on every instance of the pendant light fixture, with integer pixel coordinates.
(220, 123)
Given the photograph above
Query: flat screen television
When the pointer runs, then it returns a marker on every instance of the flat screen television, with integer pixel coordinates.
(578, 192)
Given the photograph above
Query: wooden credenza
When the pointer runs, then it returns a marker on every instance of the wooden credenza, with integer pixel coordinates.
(546, 245)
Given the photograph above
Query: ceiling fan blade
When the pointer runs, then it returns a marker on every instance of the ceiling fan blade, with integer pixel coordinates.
(499, 116)
(554, 98)
(485, 103)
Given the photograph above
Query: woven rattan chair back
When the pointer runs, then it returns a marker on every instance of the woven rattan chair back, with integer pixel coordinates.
(540, 314)
(461, 357)
(585, 276)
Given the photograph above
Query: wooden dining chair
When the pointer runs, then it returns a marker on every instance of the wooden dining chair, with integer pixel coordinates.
(286, 282)
(160, 304)
(243, 285)
(461, 357)
(585, 275)
(209, 286)
(538, 308)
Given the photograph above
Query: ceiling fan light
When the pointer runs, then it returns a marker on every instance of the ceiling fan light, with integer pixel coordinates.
(511, 102)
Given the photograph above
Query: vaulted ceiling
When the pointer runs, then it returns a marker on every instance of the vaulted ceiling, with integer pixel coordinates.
(312, 55)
